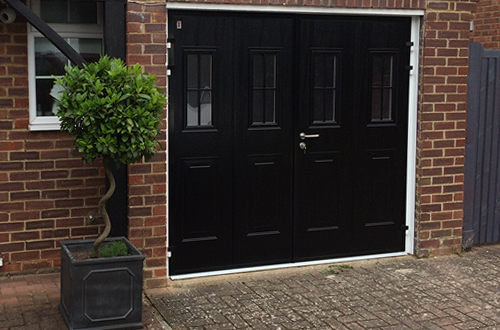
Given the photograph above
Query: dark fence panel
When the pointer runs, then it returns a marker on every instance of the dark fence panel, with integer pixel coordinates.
(482, 163)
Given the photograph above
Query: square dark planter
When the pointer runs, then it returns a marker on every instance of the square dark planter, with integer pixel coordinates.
(101, 293)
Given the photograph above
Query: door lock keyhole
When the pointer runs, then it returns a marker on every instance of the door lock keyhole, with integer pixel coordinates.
(303, 146)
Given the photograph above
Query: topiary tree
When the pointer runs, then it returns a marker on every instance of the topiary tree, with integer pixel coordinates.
(114, 112)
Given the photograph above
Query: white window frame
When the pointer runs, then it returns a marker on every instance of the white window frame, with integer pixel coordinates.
(94, 31)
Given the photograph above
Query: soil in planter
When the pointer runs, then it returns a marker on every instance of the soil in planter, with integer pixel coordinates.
(81, 254)
(114, 249)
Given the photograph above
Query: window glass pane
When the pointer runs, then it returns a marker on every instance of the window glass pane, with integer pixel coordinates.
(54, 11)
(319, 70)
(376, 104)
(319, 105)
(388, 71)
(270, 105)
(330, 71)
(90, 49)
(206, 108)
(192, 108)
(387, 103)
(48, 59)
(82, 12)
(206, 71)
(44, 102)
(258, 70)
(329, 105)
(270, 71)
(258, 106)
(61, 11)
(192, 71)
(377, 70)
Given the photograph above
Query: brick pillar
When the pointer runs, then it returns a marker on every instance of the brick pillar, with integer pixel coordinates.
(441, 127)
(146, 45)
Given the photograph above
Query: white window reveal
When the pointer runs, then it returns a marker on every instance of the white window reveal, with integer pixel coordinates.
(80, 24)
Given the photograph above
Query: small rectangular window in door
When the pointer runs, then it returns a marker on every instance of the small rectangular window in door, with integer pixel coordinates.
(263, 88)
(382, 99)
(199, 89)
(324, 86)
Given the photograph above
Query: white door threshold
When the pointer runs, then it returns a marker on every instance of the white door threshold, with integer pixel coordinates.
(288, 265)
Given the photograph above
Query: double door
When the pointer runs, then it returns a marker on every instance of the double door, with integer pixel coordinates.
(287, 138)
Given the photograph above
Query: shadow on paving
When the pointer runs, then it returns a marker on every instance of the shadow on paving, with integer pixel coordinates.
(450, 292)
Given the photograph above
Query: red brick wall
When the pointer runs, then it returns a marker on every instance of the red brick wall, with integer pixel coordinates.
(487, 24)
(441, 127)
(45, 191)
(146, 45)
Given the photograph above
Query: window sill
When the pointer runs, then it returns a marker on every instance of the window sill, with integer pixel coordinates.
(50, 123)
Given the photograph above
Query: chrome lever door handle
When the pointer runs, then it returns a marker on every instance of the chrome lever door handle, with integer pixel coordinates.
(304, 136)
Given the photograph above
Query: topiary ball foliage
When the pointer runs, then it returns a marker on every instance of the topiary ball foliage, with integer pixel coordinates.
(114, 111)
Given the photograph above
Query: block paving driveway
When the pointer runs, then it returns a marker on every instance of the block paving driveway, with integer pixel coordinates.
(449, 292)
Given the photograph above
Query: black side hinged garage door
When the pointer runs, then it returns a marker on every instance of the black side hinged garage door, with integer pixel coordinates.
(287, 138)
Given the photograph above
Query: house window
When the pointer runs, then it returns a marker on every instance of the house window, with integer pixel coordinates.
(80, 24)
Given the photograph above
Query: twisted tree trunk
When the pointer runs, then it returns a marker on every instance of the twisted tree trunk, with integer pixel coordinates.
(102, 209)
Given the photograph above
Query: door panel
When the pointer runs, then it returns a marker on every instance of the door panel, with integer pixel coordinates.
(323, 192)
(262, 148)
(380, 130)
(243, 90)
(322, 226)
(379, 224)
(199, 187)
(261, 228)
(200, 143)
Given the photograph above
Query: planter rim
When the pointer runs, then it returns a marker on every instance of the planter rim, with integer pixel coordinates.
(136, 254)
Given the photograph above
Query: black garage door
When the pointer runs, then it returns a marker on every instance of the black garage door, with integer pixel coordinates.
(287, 138)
